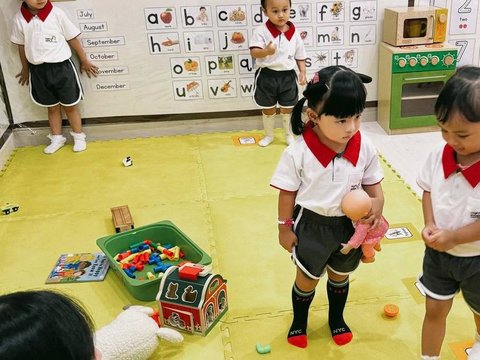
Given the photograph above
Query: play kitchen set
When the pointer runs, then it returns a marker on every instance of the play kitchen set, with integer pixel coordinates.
(414, 64)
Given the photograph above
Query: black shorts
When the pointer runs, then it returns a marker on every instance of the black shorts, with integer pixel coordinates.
(272, 87)
(444, 275)
(319, 244)
(55, 83)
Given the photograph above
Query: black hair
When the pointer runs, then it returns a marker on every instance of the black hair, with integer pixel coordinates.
(335, 90)
(461, 95)
(262, 2)
(44, 325)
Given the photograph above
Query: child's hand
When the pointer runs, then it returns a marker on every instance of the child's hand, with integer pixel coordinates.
(23, 77)
(428, 231)
(287, 239)
(371, 219)
(374, 217)
(346, 248)
(270, 48)
(89, 69)
(302, 79)
(439, 239)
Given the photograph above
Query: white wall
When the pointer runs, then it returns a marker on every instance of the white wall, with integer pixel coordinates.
(143, 77)
(463, 27)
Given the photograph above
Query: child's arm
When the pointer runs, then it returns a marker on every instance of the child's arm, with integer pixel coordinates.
(376, 193)
(23, 75)
(302, 79)
(428, 218)
(463, 235)
(257, 52)
(85, 64)
(286, 203)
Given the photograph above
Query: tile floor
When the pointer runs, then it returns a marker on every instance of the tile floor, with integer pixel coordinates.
(406, 153)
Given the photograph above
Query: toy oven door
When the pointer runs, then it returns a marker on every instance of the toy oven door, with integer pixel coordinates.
(413, 97)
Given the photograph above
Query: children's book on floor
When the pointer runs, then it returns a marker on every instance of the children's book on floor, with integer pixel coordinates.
(80, 267)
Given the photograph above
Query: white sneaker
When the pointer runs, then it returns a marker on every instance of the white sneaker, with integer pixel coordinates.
(56, 142)
(267, 140)
(79, 143)
(290, 139)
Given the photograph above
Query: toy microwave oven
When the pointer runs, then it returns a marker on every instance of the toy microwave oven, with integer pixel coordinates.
(415, 25)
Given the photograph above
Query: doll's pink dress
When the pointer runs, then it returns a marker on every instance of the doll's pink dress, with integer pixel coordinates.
(368, 239)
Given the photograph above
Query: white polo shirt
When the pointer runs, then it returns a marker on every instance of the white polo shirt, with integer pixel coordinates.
(290, 47)
(455, 194)
(320, 177)
(44, 35)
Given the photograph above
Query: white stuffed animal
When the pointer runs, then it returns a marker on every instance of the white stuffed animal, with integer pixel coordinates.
(133, 335)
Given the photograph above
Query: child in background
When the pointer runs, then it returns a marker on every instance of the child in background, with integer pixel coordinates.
(277, 49)
(328, 160)
(44, 35)
(44, 325)
(450, 181)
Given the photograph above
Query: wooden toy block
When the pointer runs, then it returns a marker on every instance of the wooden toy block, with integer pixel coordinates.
(122, 219)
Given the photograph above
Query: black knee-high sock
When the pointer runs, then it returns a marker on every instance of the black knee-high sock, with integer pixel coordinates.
(337, 297)
(297, 335)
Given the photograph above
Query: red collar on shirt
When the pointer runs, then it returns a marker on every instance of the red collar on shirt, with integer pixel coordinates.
(324, 154)
(275, 32)
(471, 173)
(42, 14)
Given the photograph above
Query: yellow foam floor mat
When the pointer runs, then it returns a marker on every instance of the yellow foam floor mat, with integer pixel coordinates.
(218, 193)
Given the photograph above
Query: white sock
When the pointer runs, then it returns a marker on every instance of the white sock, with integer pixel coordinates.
(268, 125)
(56, 142)
(426, 357)
(288, 129)
(79, 143)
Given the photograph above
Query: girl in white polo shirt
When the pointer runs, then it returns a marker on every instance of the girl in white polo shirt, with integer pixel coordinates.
(44, 35)
(278, 50)
(328, 160)
(450, 181)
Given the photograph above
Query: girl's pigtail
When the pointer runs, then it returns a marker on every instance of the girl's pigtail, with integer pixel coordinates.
(296, 118)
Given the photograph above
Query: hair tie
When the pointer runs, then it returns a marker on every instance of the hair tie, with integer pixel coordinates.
(316, 79)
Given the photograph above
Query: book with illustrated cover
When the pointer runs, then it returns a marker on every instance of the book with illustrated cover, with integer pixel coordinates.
(80, 267)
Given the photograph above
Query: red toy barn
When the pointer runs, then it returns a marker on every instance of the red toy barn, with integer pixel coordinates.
(191, 301)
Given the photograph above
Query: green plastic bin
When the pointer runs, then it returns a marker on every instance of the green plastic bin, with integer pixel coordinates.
(163, 232)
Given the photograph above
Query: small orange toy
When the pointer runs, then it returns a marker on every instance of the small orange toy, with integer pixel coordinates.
(391, 310)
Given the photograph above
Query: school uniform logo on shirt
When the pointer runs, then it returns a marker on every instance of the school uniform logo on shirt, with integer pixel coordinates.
(475, 215)
(51, 39)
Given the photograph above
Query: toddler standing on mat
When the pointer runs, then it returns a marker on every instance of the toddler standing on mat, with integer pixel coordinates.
(277, 49)
(329, 159)
(450, 181)
(44, 35)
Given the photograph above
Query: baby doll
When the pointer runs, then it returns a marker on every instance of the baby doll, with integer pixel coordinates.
(132, 335)
(356, 205)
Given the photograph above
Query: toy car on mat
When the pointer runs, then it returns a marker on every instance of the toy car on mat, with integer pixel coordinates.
(8, 208)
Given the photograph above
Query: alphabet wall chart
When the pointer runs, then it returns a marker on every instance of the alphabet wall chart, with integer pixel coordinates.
(162, 57)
